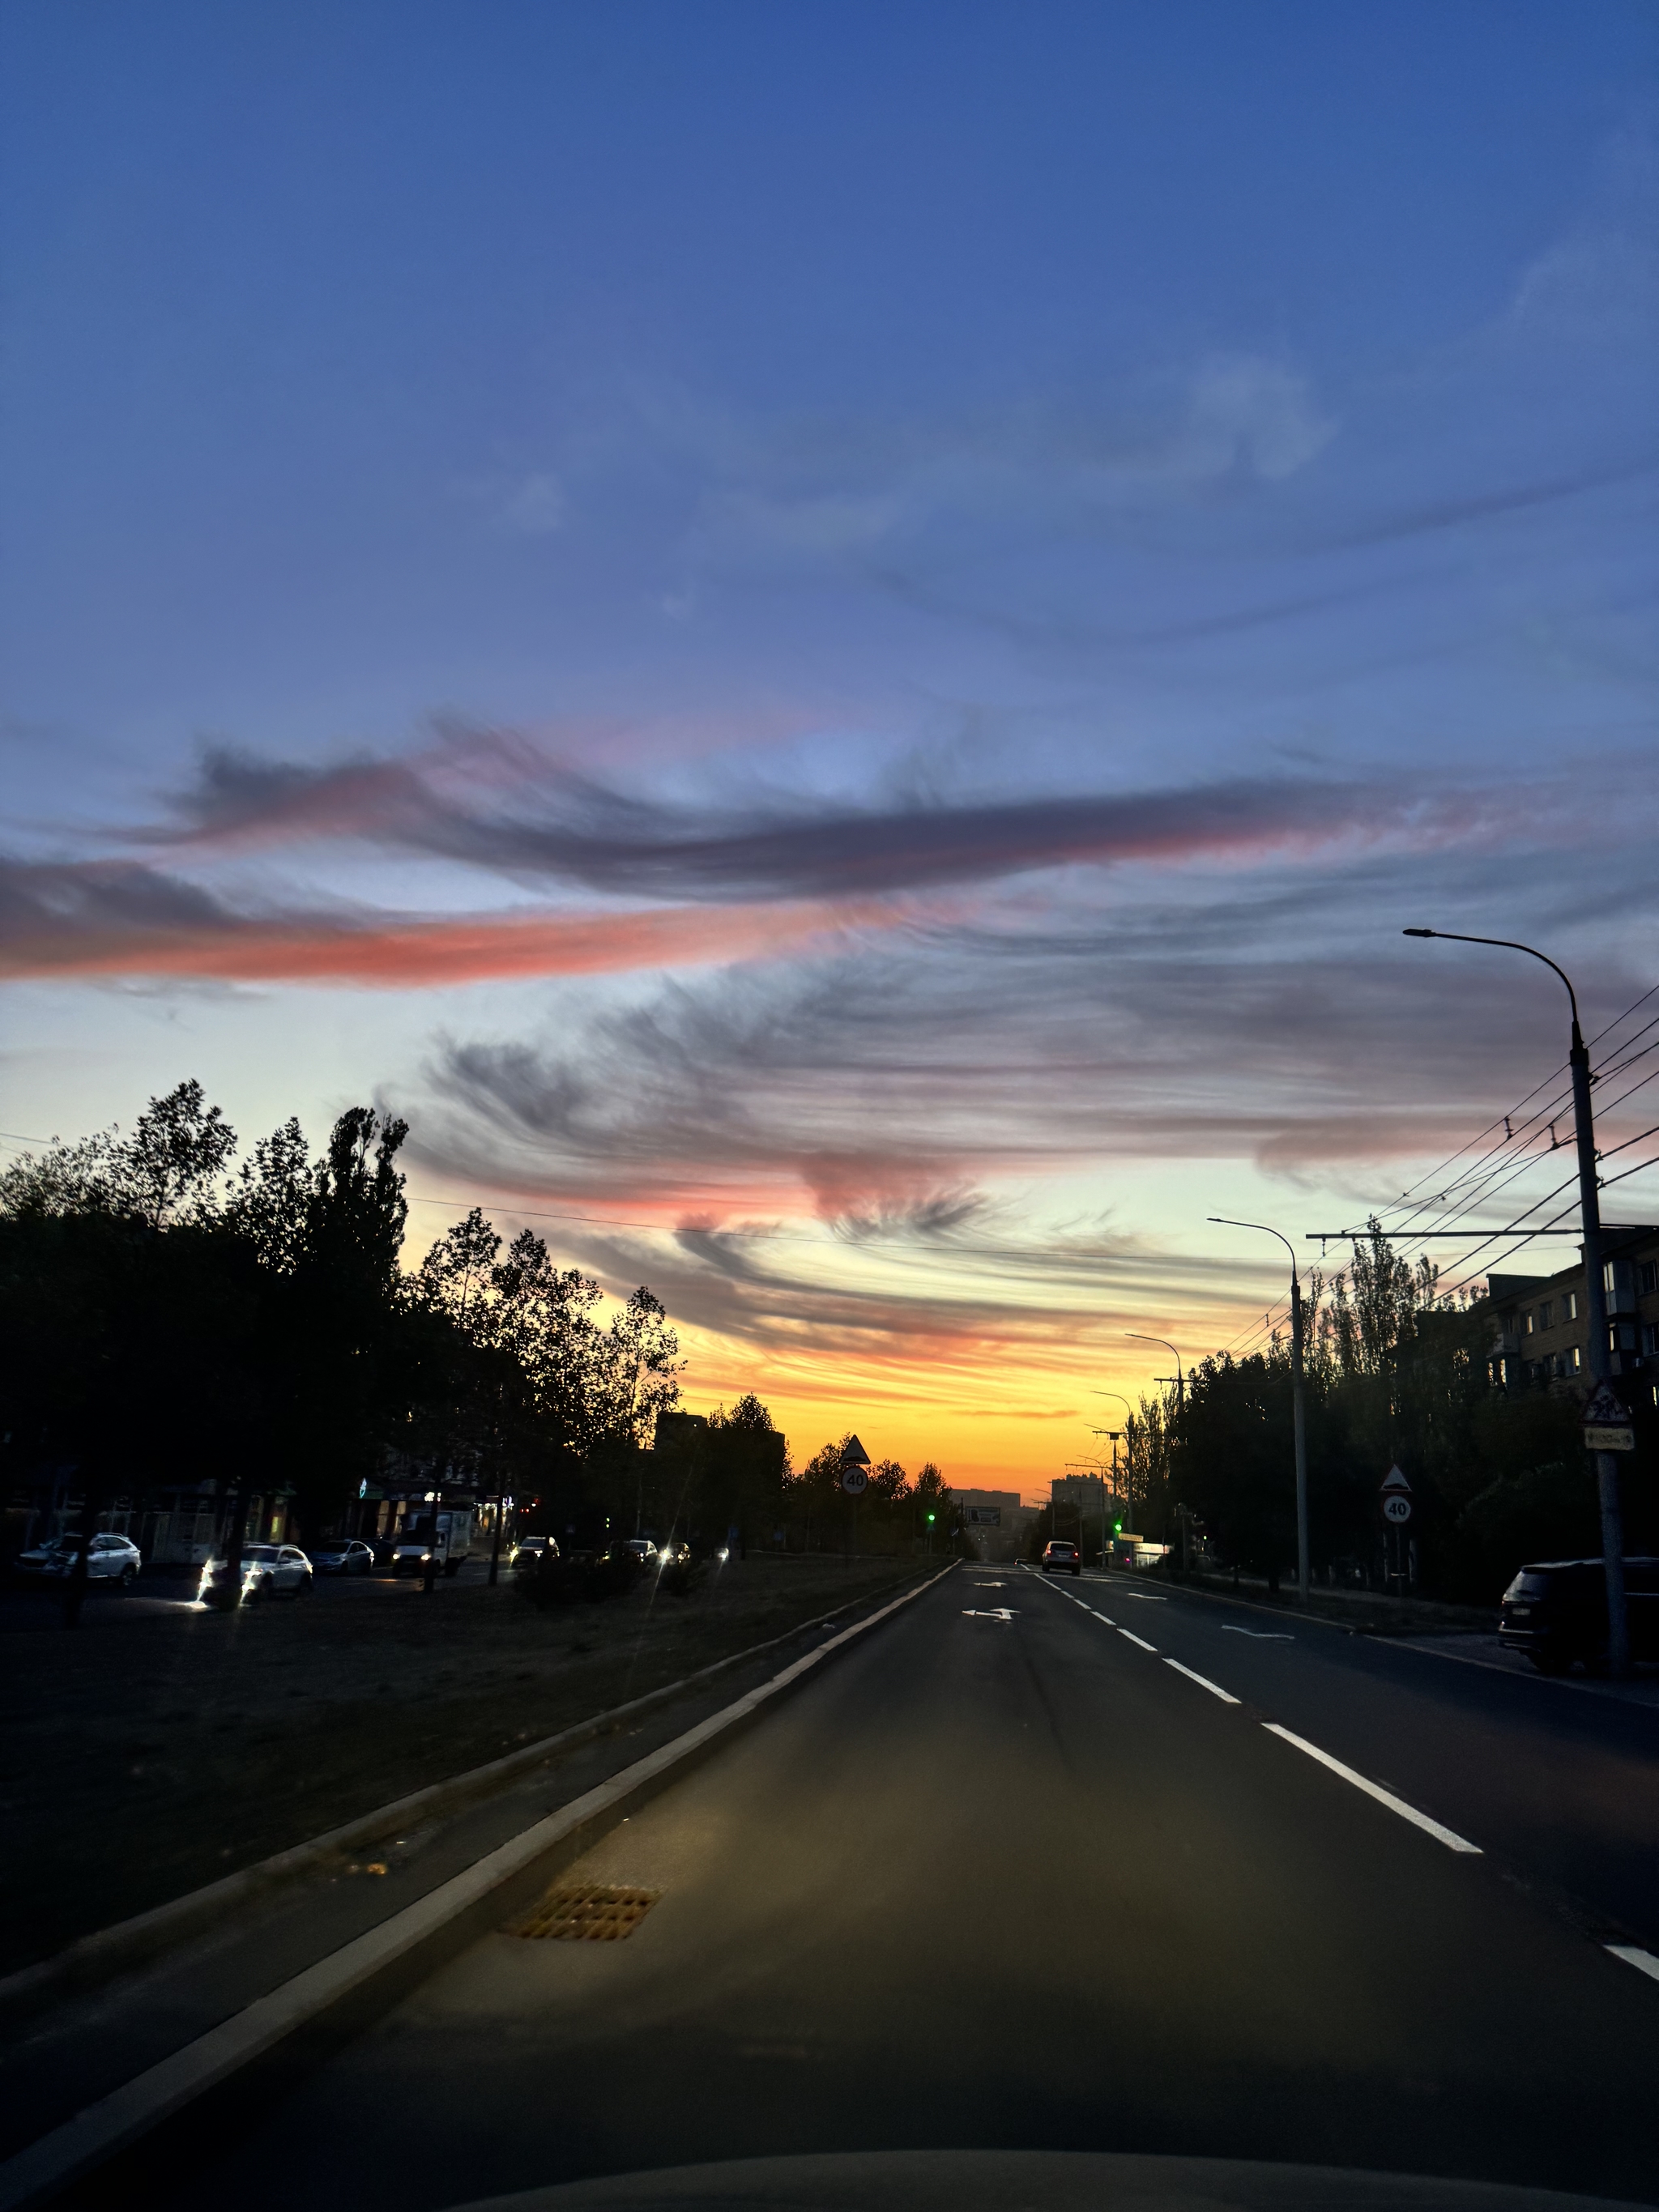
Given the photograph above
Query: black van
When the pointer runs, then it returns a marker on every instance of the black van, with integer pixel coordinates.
(1557, 1612)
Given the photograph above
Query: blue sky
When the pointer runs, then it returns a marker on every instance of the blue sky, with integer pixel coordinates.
(854, 622)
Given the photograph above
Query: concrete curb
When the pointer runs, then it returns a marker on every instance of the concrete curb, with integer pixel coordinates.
(118, 2120)
(110, 1951)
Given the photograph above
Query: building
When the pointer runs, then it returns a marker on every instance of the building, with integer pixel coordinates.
(1541, 1332)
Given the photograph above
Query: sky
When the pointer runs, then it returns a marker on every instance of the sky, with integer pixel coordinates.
(832, 642)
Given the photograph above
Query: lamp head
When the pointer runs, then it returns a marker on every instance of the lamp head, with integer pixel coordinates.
(1420, 933)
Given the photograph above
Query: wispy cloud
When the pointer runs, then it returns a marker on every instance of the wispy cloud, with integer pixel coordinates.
(121, 919)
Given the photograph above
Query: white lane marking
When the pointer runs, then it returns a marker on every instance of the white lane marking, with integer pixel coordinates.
(995, 1612)
(1262, 1635)
(1451, 1839)
(1644, 1961)
(1145, 1597)
(1140, 1640)
(1202, 1681)
(1099, 1615)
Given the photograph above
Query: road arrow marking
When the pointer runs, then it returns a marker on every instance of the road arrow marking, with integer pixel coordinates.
(997, 1612)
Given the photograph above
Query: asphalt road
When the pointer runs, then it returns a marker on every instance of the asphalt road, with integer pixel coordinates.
(1020, 1882)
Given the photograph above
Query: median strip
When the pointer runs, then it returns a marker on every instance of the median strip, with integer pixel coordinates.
(113, 2122)
(1451, 1839)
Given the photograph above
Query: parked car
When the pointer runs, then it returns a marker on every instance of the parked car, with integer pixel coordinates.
(110, 1560)
(268, 1570)
(1061, 1559)
(341, 1558)
(1556, 1612)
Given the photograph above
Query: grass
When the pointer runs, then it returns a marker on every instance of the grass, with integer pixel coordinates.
(149, 1754)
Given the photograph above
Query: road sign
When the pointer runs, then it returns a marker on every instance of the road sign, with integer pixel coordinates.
(1397, 1507)
(854, 1481)
(1606, 1421)
(1394, 1480)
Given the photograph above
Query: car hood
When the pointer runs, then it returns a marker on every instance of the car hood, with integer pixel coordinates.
(1043, 2181)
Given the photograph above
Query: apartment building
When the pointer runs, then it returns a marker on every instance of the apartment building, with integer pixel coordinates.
(1542, 1321)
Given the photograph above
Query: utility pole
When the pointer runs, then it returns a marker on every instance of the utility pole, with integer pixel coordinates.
(1298, 1410)
(1595, 1297)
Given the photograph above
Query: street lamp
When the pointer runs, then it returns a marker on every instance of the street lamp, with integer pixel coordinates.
(1128, 1449)
(1299, 1408)
(1180, 1378)
(1595, 1295)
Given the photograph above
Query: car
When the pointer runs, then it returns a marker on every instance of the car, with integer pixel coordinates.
(644, 1553)
(530, 1554)
(1555, 1613)
(268, 1570)
(341, 1557)
(1062, 1558)
(110, 1560)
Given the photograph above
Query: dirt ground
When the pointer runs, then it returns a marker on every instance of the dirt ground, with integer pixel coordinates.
(155, 1749)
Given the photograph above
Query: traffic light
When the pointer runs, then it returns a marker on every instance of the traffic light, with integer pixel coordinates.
(1117, 1527)
(931, 1519)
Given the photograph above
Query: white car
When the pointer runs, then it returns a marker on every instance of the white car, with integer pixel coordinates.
(268, 1570)
(111, 1559)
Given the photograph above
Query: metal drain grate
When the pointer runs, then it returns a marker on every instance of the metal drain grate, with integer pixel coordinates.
(589, 1912)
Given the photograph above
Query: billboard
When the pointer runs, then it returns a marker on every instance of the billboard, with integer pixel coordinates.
(983, 1517)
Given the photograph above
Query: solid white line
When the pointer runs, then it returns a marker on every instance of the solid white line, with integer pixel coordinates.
(1451, 1839)
(1140, 1640)
(1202, 1681)
(1644, 1961)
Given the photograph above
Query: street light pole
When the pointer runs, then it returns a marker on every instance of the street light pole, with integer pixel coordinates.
(1180, 1378)
(1298, 1409)
(1596, 1295)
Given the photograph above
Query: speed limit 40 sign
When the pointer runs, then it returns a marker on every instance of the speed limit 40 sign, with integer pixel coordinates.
(1396, 1507)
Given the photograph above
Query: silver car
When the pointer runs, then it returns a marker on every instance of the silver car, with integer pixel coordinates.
(111, 1559)
(337, 1557)
(268, 1570)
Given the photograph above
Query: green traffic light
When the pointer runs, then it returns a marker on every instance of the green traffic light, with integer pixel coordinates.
(932, 1516)
(1117, 1527)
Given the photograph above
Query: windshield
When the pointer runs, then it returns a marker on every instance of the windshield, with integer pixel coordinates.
(879, 782)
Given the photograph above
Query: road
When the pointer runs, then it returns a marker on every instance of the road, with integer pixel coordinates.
(1005, 1875)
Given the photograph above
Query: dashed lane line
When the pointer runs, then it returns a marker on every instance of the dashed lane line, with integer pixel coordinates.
(1202, 1681)
(1140, 1640)
(1449, 1837)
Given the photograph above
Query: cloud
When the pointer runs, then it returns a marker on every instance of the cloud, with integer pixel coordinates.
(1255, 417)
(536, 506)
(120, 919)
(494, 802)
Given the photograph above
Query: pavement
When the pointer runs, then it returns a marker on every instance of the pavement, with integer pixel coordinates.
(1052, 1865)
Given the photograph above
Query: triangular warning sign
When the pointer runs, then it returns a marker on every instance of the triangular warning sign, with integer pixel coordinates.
(1393, 1479)
(1604, 1409)
(855, 1454)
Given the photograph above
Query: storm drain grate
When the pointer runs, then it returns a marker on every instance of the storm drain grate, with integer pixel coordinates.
(589, 1912)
